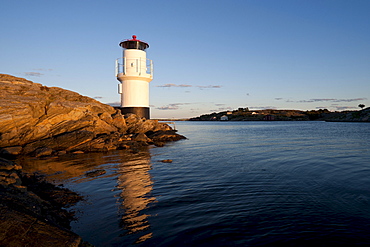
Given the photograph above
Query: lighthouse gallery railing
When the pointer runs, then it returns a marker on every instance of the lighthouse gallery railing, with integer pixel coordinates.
(140, 66)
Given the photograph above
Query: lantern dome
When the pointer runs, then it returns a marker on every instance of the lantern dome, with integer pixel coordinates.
(134, 44)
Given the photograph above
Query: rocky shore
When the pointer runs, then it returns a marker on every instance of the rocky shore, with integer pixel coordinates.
(36, 120)
(32, 211)
(349, 116)
(41, 121)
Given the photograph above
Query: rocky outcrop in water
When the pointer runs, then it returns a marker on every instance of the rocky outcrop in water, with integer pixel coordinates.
(38, 120)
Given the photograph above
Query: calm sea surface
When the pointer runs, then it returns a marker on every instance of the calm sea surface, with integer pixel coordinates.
(230, 184)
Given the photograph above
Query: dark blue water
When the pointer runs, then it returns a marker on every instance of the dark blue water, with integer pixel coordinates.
(230, 184)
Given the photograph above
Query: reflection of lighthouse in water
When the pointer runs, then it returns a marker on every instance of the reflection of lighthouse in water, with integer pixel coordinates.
(136, 184)
(134, 71)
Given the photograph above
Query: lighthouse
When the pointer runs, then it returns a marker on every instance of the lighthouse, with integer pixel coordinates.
(134, 71)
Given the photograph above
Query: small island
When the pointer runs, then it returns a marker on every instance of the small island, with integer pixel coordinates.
(244, 114)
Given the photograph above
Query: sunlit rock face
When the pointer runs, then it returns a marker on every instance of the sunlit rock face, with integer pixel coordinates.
(30, 111)
(38, 120)
(142, 125)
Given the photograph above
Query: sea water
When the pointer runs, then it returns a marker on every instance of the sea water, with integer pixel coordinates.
(229, 184)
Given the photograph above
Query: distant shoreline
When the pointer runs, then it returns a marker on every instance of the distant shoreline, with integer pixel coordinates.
(244, 114)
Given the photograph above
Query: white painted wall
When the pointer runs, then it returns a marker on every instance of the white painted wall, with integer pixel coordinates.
(135, 62)
(135, 93)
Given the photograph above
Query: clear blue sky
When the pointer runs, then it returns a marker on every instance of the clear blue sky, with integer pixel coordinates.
(208, 56)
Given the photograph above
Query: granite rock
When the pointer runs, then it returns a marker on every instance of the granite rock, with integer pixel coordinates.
(39, 121)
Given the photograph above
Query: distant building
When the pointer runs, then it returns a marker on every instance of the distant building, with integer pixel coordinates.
(269, 118)
(224, 118)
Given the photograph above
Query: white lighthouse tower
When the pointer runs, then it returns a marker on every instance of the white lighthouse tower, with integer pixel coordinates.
(134, 71)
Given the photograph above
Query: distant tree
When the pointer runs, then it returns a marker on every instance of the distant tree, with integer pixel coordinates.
(361, 106)
(323, 111)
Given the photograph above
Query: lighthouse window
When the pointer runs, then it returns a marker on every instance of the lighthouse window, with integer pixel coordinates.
(142, 46)
(131, 45)
(134, 45)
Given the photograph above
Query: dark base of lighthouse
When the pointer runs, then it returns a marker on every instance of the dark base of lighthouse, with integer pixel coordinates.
(142, 112)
